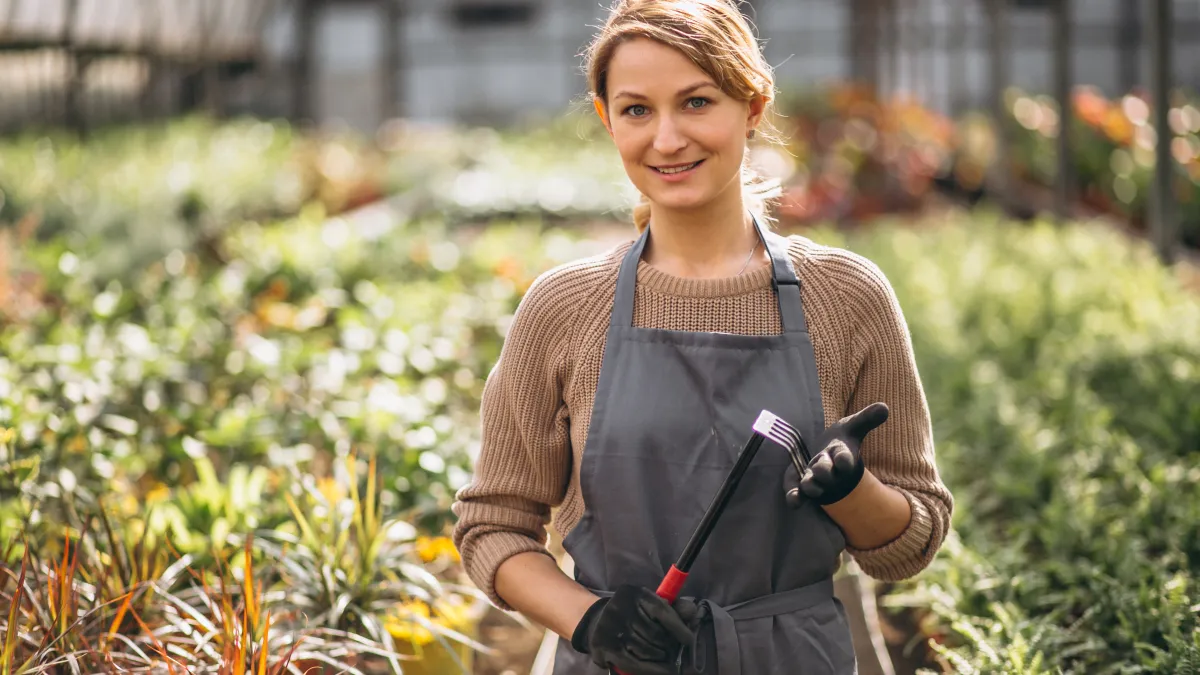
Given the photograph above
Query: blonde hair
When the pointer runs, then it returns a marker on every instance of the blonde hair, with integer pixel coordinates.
(715, 36)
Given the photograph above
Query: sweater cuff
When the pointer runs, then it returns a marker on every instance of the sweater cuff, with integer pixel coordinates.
(488, 552)
(904, 556)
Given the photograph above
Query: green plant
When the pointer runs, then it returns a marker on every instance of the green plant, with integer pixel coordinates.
(350, 569)
(1060, 365)
(224, 628)
(202, 515)
(73, 613)
(177, 185)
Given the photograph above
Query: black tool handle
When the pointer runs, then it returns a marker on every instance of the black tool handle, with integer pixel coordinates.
(719, 502)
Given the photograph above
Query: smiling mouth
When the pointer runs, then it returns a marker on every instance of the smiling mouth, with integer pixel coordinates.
(677, 169)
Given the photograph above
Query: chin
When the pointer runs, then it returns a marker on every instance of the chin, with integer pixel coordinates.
(683, 205)
(681, 200)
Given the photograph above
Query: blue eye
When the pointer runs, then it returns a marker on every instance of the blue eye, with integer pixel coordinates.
(632, 110)
(697, 99)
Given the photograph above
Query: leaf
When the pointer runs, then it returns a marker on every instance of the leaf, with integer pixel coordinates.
(8, 653)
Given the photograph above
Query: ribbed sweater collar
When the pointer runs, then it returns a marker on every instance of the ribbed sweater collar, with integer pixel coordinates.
(656, 280)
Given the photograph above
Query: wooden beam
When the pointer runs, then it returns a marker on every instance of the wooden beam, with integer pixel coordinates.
(1163, 226)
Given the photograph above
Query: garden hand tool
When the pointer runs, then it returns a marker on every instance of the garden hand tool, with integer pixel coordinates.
(838, 468)
(768, 425)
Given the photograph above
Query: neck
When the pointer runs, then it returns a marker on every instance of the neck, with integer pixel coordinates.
(712, 242)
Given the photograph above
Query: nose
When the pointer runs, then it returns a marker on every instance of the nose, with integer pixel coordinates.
(668, 138)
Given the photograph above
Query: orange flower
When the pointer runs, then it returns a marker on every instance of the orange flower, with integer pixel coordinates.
(509, 268)
(1091, 107)
(278, 289)
(279, 314)
(1117, 127)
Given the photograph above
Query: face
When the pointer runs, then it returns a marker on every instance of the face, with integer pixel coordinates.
(680, 137)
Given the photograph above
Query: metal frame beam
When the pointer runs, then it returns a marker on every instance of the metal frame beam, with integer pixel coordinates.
(1164, 230)
(1063, 52)
(999, 77)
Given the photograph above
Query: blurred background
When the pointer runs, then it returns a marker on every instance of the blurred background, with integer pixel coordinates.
(257, 258)
(497, 61)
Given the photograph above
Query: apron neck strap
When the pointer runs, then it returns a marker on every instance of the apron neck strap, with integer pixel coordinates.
(784, 281)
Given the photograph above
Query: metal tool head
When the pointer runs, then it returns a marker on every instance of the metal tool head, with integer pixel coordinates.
(775, 428)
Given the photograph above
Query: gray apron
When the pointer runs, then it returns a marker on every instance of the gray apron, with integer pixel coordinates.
(672, 411)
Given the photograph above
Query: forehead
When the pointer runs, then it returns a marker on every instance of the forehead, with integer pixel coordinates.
(647, 67)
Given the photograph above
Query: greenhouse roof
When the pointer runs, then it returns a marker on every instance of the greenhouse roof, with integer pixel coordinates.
(192, 28)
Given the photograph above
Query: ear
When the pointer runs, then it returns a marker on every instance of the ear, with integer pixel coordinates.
(599, 105)
(758, 106)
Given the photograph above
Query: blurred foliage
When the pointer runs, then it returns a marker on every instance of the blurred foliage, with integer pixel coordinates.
(1114, 149)
(560, 169)
(856, 156)
(1062, 370)
(127, 196)
(173, 390)
(318, 335)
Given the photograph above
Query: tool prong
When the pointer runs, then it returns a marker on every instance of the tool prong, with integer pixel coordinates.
(792, 435)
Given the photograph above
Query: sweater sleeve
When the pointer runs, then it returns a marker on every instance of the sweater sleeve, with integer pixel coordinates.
(524, 460)
(900, 453)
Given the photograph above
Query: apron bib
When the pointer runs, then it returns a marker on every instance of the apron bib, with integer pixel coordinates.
(672, 411)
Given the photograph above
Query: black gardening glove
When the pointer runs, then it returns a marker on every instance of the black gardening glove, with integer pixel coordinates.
(634, 631)
(836, 470)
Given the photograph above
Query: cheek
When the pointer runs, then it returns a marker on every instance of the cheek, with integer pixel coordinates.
(733, 148)
(731, 145)
(630, 145)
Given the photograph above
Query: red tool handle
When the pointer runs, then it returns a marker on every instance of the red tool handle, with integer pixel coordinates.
(669, 588)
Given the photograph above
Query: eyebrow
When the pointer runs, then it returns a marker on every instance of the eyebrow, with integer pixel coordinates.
(682, 92)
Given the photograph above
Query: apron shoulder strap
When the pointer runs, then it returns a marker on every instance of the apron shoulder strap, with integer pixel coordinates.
(784, 281)
(622, 313)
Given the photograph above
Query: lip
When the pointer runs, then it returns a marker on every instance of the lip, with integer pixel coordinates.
(676, 177)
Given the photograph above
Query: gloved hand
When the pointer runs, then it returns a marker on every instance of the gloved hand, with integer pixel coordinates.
(836, 470)
(635, 631)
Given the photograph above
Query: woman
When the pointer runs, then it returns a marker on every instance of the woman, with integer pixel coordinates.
(628, 382)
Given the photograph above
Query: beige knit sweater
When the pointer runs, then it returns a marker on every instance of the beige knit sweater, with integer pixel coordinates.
(537, 401)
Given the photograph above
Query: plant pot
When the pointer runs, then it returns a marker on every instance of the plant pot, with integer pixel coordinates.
(429, 656)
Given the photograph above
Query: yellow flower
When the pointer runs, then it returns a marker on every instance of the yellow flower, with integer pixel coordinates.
(432, 548)
(77, 444)
(451, 612)
(333, 491)
(403, 626)
(158, 493)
